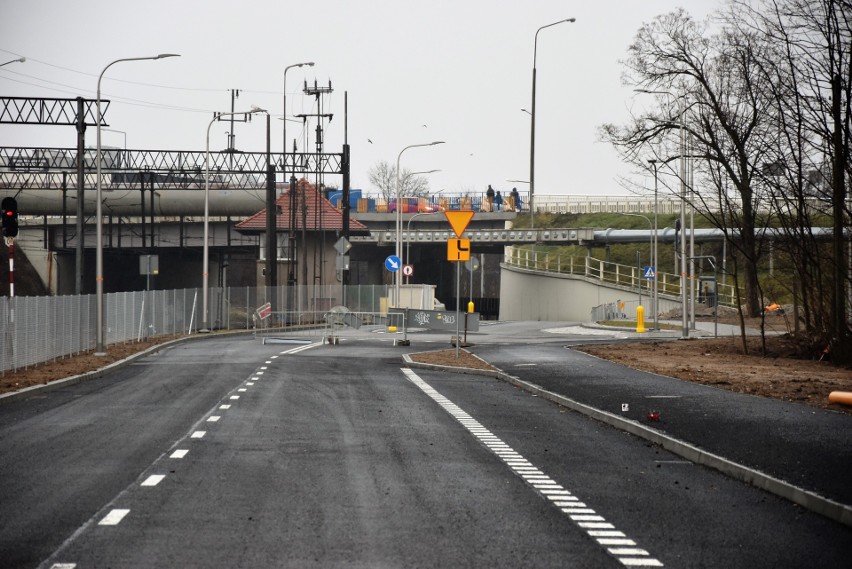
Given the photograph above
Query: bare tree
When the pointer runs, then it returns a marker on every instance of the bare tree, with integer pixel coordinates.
(811, 77)
(765, 101)
(713, 100)
(383, 176)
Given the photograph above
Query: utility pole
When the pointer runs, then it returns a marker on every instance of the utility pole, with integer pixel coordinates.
(235, 94)
(317, 91)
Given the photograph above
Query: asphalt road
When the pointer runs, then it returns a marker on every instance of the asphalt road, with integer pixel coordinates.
(230, 453)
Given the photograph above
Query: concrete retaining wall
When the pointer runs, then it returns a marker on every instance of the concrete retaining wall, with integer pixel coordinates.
(539, 295)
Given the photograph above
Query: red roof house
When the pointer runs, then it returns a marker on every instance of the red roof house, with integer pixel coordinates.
(321, 214)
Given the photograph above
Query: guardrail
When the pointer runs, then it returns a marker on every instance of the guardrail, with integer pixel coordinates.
(629, 277)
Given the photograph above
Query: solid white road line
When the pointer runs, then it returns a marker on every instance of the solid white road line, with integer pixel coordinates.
(585, 517)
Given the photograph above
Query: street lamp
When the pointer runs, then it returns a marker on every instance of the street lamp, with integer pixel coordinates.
(654, 261)
(408, 235)
(19, 60)
(99, 248)
(398, 274)
(651, 244)
(205, 277)
(682, 143)
(284, 116)
(532, 120)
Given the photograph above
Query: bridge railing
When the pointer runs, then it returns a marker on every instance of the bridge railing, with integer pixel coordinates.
(627, 276)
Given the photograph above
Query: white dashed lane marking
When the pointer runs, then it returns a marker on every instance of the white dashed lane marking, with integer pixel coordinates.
(198, 434)
(213, 419)
(179, 453)
(113, 518)
(153, 480)
(615, 542)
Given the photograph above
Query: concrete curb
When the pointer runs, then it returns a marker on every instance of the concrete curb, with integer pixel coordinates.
(75, 379)
(812, 501)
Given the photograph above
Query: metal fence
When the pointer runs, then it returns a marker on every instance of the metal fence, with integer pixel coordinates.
(38, 329)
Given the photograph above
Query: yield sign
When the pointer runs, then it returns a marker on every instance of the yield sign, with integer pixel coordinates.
(459, 220)
(342, 246)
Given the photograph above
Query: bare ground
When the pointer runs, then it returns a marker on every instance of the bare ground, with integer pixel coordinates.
(717, 362)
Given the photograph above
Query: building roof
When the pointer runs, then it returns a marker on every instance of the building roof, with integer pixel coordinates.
(321, 215)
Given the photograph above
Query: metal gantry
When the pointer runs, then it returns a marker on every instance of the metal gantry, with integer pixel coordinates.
(34, 110)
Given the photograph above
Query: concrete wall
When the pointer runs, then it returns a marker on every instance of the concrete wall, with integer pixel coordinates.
(538, 295)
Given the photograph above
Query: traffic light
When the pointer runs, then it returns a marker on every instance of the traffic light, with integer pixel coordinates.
(10, 217)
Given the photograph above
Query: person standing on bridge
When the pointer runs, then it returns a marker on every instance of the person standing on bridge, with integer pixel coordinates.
(498, 201)
(489, 197)
(516, 199)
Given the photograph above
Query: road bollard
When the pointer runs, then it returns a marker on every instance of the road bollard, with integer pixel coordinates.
(640, 319)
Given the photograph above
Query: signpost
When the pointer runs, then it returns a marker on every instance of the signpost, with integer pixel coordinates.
(458, 250)
(264, 311)
(392, 263)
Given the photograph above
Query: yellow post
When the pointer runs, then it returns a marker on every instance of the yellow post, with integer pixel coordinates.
(470, 307)
(640, 319)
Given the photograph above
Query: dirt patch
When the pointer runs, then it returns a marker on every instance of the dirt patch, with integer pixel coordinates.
(448, 358)
(71, 365)
(720, 362)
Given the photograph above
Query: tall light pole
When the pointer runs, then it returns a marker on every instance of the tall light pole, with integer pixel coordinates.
(19, 60)
(284, 116)
(654, 261)
(99, 246)
(682, 143)
(532, 121)
(408, 234)
(205, 276)
(398, 274)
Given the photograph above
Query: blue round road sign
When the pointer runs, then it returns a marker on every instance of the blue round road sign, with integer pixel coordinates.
(392, 263)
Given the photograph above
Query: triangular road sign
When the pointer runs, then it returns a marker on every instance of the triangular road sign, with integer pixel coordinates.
(459, 220)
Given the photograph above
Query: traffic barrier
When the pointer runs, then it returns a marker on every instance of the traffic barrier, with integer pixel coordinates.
(842, 397)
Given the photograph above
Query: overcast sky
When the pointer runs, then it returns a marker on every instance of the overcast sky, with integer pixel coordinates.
(416, 71)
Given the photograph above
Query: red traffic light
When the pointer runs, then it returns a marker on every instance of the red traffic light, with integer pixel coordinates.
(9, 206)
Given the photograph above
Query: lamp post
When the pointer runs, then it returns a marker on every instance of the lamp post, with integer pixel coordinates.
(284, 116)
(651, 244)
(683, 169)
(19, 60)
(99, 248)
(408, 235)
(398, 274)
(532, 121)
(654, 261)
(205, 277)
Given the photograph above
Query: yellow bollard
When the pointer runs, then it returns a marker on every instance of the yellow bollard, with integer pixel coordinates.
(470, 307)
(640, 319)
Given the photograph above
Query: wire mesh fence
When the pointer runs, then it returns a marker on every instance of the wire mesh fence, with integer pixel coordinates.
(38, 329)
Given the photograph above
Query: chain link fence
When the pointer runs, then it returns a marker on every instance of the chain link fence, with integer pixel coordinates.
(38, 329)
